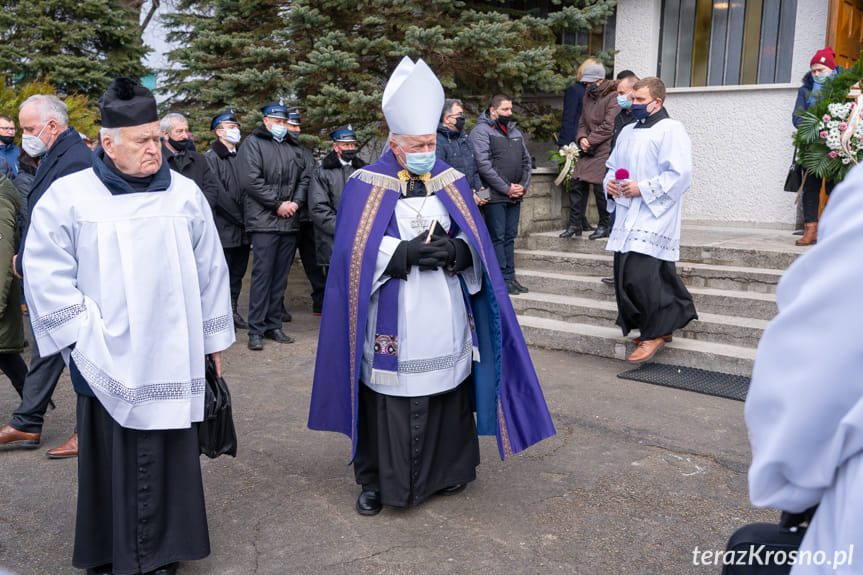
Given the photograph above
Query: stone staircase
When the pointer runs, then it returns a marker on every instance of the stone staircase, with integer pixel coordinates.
(731, 272)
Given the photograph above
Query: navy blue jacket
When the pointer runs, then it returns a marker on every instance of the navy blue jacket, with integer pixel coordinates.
(454, 148)
(68, 155)
(572, 99)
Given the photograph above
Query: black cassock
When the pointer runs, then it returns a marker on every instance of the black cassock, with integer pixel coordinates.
(650, 296)
(408, 448)
(140, 495)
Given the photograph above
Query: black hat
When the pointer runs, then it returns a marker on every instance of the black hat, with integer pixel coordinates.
(223, 116)
(275, 109)
(126, 103)
(344, 134)
(293, 116)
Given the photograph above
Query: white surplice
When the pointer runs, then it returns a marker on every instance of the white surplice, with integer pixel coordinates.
(434, 338)
(659, 158)
(804, 409)
(138, 284)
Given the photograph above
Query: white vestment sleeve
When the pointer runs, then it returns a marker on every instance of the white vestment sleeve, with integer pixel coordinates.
(213, 281)
(49, 260)
(663, 191)
(472, 275)
(385, 254)
(804, 408)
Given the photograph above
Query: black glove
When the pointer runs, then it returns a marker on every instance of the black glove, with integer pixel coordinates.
(406, 255)
(436, 254)
(463, 257)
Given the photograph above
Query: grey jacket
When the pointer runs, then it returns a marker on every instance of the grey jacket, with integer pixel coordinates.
(501, 157)
(325, 193)
(228, 211)
(273, 172)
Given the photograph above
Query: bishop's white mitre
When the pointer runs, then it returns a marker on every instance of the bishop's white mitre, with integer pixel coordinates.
(413, 99)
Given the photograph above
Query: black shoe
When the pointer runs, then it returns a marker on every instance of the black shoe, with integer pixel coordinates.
(586, 226)
(317, 309)
(239, 322)
(106, 569)
(511, 289)
(169, 569)
(570, 232)
(369, 503)
(286, 317)
(452, 489)
(519, 287)
(278, 335)
(601, 232)
(608, 281)
(255, 343)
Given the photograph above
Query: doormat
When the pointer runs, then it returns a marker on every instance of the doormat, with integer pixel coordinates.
(691, 379)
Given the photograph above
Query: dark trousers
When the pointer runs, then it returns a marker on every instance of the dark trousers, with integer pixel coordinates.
(811, 197)
(38, 388)
(273, 256)
(238, 261)
(502, 221)
(15, 369)
(578, 196)
(315, 273)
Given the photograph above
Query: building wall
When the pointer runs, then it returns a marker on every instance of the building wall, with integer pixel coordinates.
(741, 135)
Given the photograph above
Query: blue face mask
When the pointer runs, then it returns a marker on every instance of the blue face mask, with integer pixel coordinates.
(639, 111)
(624, 102)
(420, 162)
(278, 131)
(822, 78)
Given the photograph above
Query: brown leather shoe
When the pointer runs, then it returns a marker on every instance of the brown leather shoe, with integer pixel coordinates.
(68, 449)
(11, 437)
(809, 238)
(667, 338)
(646, 350)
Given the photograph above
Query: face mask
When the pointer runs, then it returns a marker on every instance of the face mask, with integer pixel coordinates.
(347, 155)
(459, 124)
(293, 137)
(33, 145)
(504, 120)
(420, 162)
(822, 78)
(6, 140)
(179, 145)
(624, 102)
(278, 131)
(232, 135)
(639, 111)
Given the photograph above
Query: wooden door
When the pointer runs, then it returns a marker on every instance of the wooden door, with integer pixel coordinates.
(845, 30)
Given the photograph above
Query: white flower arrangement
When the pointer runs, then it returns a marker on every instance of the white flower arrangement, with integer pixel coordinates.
(833, 129)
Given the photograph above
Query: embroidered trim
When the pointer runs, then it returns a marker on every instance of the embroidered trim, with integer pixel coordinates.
(415, 366)
(57, 319)
(367, 219)
(218, 325)
(386, 345)
(163, 391)
(459, 202)
(435, 184)
(664, 243)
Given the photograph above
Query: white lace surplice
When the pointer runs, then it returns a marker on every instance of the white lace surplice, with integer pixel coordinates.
(139, 285)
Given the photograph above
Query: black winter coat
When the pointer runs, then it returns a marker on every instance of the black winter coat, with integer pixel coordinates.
(325, 193)
(194, 166)
(454, 148)
(68, 155)
(273, 172)
(228, 211)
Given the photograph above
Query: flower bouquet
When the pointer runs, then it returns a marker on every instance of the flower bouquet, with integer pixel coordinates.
(829, 138)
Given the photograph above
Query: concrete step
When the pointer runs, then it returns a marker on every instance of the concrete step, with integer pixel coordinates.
(742, 304)
(760, 280)
(757, 248)
(607, 342)
(716, 328)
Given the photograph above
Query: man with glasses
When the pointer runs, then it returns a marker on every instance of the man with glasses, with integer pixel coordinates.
(454, 147)
(8, 150)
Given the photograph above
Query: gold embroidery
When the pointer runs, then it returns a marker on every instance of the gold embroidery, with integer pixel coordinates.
(459, 202)
(360, 240)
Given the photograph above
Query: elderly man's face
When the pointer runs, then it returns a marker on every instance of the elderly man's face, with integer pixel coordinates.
(178, 132)
(138, 153)
(401, 145)
(32, 125)
(269, 122)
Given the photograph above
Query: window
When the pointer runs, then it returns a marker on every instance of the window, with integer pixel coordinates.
(726, 42)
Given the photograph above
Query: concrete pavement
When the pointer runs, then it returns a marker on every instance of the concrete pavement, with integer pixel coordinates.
(636, 478)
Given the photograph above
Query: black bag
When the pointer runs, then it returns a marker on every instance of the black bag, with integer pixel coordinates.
(795, 177)
(766, 548)
(216, 433)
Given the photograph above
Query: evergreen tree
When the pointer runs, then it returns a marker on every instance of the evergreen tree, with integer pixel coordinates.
(332, 58)
(80, 45)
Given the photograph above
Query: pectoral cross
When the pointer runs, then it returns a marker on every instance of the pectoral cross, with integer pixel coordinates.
(419, 223)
